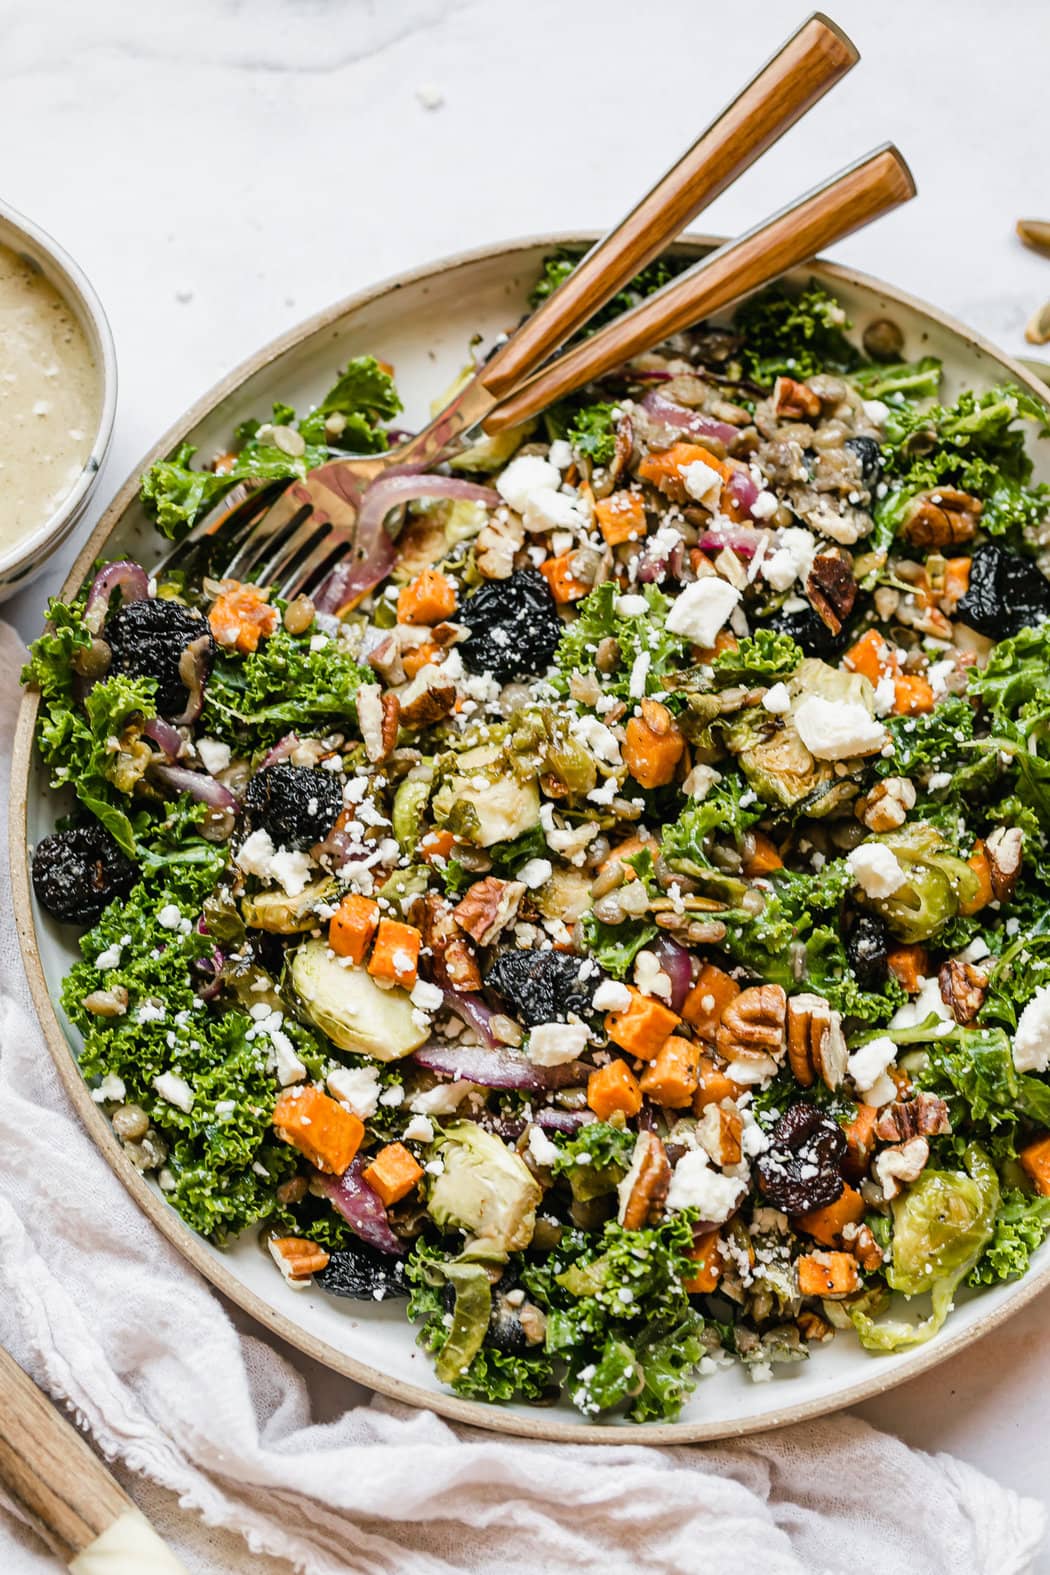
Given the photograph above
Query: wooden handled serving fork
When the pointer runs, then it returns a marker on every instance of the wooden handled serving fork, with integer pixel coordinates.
(328, 530)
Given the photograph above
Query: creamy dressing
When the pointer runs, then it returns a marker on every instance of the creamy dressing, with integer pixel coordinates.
(49, 399)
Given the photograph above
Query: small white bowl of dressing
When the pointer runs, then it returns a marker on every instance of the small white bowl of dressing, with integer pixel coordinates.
(58, 396)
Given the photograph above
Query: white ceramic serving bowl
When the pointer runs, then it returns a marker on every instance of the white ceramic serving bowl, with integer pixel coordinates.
(422, 323)
(28, 555)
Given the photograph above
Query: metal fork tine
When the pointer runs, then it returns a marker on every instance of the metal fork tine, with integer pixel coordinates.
(265, 538)
(234, 513)
(288, 550)
(307, 572)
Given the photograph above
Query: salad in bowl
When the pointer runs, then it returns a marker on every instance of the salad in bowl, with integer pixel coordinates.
(620, 936)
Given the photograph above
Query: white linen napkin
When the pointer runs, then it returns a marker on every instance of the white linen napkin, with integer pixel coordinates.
(209, 1426)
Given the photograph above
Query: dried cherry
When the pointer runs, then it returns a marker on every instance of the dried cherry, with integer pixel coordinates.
(542, 986)
(147, 640)
(800, 1169)
(77, 873)
(297, 805)
(1006, 592)
(363, 1274)
(514, 627)
(869, 457)
(867, 949)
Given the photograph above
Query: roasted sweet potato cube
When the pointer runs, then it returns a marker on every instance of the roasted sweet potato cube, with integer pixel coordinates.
(395, 955)
(621, 517)
(828, 1274)
(352, 926)
(708, 999)
(860, 1140)
(827, 1224)
(707, 1261)
(712, 1085)
(670, 1078)
(614, 1087)
(643, 1027)
(393, 1173)
(319, 1127)
(1035, 1162)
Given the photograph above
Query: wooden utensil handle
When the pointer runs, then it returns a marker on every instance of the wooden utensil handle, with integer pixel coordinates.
(811, 62)
(843, 204)
(46, 1465)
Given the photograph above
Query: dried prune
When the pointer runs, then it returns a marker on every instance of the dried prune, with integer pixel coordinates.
(514, 627)
(808, 629)
(869, 456)
(297, 805)
(867, 949)
(363, 1274)
(147, 640)
(542, 986)
(1005, 593)
(76, 873)
(800, 1169)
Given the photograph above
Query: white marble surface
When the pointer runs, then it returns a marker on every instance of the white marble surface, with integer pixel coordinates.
(222, 168)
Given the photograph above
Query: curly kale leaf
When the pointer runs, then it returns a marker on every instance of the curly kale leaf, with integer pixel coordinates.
(83, 747)
(1021, 1225)
(727, 810)
(636, 634)
(973, 1070)
(615, 946)
(760, 658)
(619, 1317)
(592, 432)
(175, 495)
(285, 683)
(558, 266)
(794, 335)
(1012, 688)
(596, 1160)
(910, 380)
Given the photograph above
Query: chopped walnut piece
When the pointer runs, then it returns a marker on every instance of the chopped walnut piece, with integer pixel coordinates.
(496, 545)
(924, 1116)
(644, 1188)
(753, 1023)
(813, 1328)
(903, 1164)
(794, 401)
(1004, 847)
(963, 987)
(385, 659)
(942, 517)
(488, 907)
(816, 1043)
(886, 806)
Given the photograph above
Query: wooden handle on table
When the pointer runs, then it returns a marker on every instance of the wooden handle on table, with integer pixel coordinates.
(801, 72)
(847, 201)
(65, 1489)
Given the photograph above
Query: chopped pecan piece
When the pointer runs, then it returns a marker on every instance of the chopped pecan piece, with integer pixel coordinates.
(815, 1041)
(813, 1328)
(753, 1023)
(719, 1132)
(924, 1116)
(391, 722)
(624, 444)
(428, 699)
(942, 517)
(963, 988)
(862, 1244)
(370, 719)
(832, 590)
(297, 1258)
(452, 960)
(886, 806)
(903, 1164)
(1004, 848)
(497, 544)
(644, 1188)
(488, 907)
(794, 401)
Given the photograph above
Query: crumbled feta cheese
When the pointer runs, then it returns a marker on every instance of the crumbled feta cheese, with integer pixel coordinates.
(1032, 1039)
(175, 1090)
(255, 855)
(214, 755)
(885, 695)
(777, 699)
(791, 560)
(552, 1044)
(288, 1067)
(939, 780)
(599, 739)
(535, 873)
(543, 1151)
(632, 606)
(150, 1012)
(928, 999)
(611, 996)
(560, 454)
(867, 1064)
(702, 609)
(441, 1100)
(524, 476)
(110, 958)
(876, 411)
(876, 869)
(419, 1130)
(649, 976)
(393, 1096)
(937, 676)
(291, 869)
(764, 506)
(837, 729)
(695, 1184)
(356, 1086)
(169, 917)
(111, 1087)
(702, 482)
(426, 996)
(548, 509)
(639, 675)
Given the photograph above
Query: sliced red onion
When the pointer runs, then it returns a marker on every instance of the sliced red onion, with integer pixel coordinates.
(675, 962)
(498, 1068)
(361, 1208)
(164, 736)
(655, 566)
(198, 784)
(692, 421)
(742, 489)
(194, 667)
(472, 1010)
(743, 539)
(129, 576)
(554, 1120)
(373, 554)
(280, 751)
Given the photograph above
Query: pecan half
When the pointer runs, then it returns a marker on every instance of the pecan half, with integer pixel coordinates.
(832, 590)
(753, 1023)
(624, 445)
(452, 960)
(886, 806)
(794, 401)
(644, 1188)
(815, 1041)
(488, 907)
(390, 724)
(942, 517)
(924, 1116)
(963, 988)
(1004, 847)
(903, 1164)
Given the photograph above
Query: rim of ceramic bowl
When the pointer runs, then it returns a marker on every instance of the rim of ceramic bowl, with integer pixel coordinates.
(23, 235)
(949, 1342)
